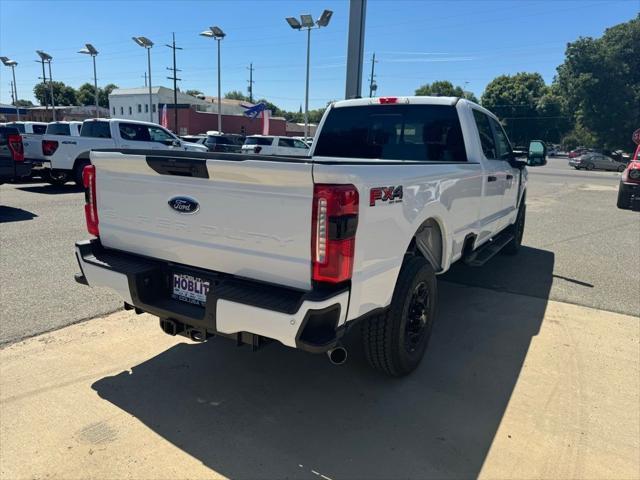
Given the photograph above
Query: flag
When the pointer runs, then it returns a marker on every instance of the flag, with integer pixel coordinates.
(165, 120)
(254, 111)
(265, 121)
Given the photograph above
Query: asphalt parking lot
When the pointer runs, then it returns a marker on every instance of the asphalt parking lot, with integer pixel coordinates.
(580, 249)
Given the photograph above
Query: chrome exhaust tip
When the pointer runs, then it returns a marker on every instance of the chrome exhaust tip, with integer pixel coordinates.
(337, 355)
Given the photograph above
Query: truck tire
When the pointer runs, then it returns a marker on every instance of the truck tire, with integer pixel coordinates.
(589, 166)
(77, 171)
(517, 229)
(395, 340)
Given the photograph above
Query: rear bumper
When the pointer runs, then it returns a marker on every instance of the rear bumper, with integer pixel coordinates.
(244, 310)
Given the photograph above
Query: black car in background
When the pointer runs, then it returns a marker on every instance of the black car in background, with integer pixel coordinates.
(12, 162)
(224, 142)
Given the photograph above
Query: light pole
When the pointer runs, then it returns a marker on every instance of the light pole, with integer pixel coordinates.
(45, 57)
(217, 34)
(306, 22)
(90, 50)
(146, 43)
(13, 64)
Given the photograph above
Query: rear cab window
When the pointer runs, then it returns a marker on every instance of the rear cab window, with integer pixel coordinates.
(39, 129)
(95, 130)
(19, 126)
(393, 132)
(58, 129)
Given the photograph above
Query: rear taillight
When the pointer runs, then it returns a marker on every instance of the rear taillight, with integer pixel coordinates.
(90, 207)
(49, 147)
(333, 232)
(16, 147)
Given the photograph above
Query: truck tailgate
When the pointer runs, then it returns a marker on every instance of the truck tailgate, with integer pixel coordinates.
(252, 219)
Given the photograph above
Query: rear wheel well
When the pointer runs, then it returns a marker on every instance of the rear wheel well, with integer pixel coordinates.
(82, 158)
(428, 242)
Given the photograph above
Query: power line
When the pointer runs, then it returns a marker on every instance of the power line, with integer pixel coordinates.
(175, 83)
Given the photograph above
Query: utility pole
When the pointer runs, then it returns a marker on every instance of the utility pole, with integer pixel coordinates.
(355, 48)
(175, 84)
(145, 80)
(251, 82)
(372, 84)
(44, 83)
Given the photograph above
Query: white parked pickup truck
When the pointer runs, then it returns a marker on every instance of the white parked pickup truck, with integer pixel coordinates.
(260, 248)
(31, 133)
(65, 156)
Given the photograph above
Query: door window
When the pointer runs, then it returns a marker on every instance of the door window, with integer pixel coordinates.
(503, 147)
(300, 144)
(160, 135)
(286, 142)
(134, 132)
(486, 135)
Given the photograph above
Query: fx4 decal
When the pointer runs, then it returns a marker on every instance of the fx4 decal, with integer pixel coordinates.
(385, 194)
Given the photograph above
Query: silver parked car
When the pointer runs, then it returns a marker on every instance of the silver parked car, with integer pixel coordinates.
(591, 161)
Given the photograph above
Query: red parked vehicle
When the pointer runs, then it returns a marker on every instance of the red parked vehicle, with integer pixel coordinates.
(629, 189)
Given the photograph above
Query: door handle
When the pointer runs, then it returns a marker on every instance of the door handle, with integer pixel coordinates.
(492, 178)
(509, 176)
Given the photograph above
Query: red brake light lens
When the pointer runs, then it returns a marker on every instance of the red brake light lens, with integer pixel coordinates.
(16, 147)
(49, 147)
(333, 232)
(388, 100)
(91, 206)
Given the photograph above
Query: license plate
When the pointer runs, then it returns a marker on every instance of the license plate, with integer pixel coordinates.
(190, 289)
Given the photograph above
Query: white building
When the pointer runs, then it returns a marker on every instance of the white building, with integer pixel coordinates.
(134, 103)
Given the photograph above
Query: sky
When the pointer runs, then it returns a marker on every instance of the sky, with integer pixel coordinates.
(415, 42)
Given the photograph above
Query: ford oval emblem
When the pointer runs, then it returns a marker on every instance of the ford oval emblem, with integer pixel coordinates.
(184, 205)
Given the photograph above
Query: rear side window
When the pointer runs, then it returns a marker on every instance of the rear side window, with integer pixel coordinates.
(58, 129)
(95, 130)
(39, 129)
(258, 141)
(134, 132)
(19, 126)
(393, 132)
(486, 135)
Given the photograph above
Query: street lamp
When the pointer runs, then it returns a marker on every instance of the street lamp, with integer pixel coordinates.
(45, 57)
(146, 43)
(217, 34)
(13, 64)
(306, 22)
(90, 50)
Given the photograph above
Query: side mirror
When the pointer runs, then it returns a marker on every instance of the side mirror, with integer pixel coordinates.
(537, 156)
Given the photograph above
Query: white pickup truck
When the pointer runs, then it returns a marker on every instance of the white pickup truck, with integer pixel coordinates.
(31, 133)
(65, 156)
(260, 248)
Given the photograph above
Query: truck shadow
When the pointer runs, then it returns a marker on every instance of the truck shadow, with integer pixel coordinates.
(13, 214)
(52, 189)
(284, 413)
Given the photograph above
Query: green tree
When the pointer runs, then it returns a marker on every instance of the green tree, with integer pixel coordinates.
(444, 88)
(23, 103)
(600, 82)
(515, 99)
(103, 94)
(236, 95)
(63, 94)
(194, 93)
(86, 94)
